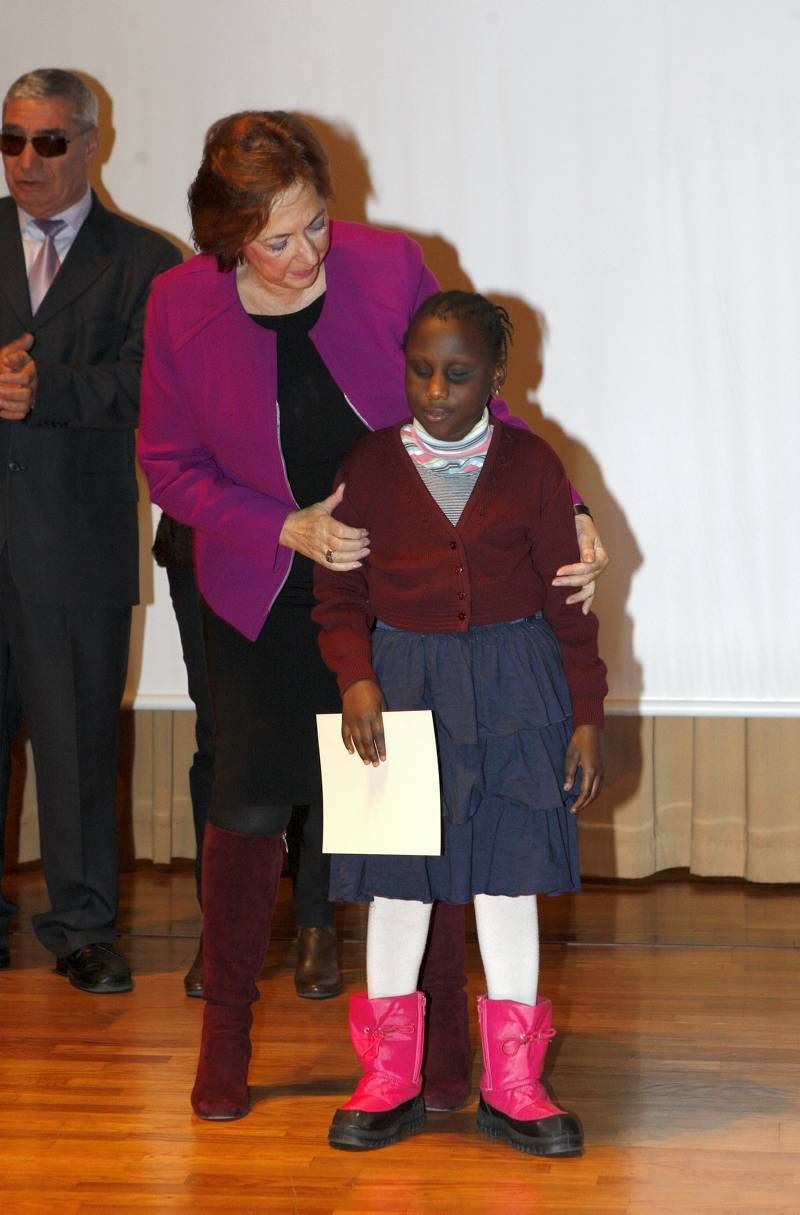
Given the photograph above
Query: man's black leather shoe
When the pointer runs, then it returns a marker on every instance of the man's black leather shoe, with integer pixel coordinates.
(96, 968)
(5, 954)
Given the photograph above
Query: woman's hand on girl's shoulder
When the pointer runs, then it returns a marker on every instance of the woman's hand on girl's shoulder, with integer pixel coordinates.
(314, 532)
(585, 748)
(362, 721)
(584, 573)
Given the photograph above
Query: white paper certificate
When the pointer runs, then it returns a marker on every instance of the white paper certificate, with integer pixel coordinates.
(394, 809)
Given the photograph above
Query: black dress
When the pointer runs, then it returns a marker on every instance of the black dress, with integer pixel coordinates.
(266, 693)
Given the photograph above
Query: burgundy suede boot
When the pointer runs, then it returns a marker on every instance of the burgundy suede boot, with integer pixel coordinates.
(241, 874)
(446, 1069)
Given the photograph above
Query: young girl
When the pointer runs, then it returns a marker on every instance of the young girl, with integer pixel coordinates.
(469, 519)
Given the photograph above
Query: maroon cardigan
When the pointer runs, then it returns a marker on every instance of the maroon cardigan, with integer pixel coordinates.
(423, 573)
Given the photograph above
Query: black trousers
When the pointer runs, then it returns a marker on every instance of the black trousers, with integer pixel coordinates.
(10, 722)
(69, 665)
(308, 866)
(189, 615)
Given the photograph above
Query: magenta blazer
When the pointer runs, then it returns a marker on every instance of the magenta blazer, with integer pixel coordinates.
(208, 438)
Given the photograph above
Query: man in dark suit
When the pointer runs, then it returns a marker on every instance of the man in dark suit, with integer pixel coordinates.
(74, 279)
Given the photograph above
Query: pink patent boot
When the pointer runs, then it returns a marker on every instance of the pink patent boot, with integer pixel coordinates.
(387, 1105)
(514, 1104)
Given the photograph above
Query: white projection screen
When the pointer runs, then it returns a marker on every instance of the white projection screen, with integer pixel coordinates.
(624, 176)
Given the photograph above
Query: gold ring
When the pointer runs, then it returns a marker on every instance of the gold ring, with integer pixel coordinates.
(329, 556)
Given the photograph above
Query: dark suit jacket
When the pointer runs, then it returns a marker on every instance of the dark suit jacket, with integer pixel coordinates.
(67, 474)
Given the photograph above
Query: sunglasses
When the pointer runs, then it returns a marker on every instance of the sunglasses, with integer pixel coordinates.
(47, 146)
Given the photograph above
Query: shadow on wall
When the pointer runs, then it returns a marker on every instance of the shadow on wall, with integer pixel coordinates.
(102, 157)
(625, 766)
(624, 760)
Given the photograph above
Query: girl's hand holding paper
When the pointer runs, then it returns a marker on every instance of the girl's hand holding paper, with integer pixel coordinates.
(362, 721)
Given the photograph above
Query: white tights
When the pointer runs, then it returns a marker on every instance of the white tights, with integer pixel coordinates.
(508, 935)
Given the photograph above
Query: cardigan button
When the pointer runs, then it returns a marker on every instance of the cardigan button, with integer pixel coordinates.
(462, 594)
(458, 569)
(453, 545)
(462, 615)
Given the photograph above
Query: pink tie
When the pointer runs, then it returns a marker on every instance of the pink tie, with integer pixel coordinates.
(46, 263)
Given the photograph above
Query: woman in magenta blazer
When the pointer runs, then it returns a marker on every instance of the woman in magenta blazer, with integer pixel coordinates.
(266, 357)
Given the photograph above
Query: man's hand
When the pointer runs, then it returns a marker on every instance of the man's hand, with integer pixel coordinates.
(18, 379)
(585, 572)
(362, 721)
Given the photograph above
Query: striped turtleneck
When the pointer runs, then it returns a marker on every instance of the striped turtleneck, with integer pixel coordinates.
(449, 470)
(450, 458)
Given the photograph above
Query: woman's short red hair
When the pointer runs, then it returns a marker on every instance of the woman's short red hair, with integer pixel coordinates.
(249, 159)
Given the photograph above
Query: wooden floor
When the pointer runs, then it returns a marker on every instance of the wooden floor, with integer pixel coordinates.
(679, 1009)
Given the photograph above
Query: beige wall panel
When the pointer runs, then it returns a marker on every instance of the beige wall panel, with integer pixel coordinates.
(718, 795)
(163, 766)
(719, 784)
(142, 785)
(673, 747)
(28, 818)
(617, 832)
(183, 843)
(773, 800)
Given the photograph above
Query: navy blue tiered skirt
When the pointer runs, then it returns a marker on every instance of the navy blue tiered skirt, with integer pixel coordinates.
(502, 716)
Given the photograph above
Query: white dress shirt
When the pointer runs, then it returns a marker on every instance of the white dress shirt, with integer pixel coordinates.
(33, 237)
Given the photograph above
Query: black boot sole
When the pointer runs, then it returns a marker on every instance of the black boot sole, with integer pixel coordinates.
(361, 1131)
(495, 1125)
